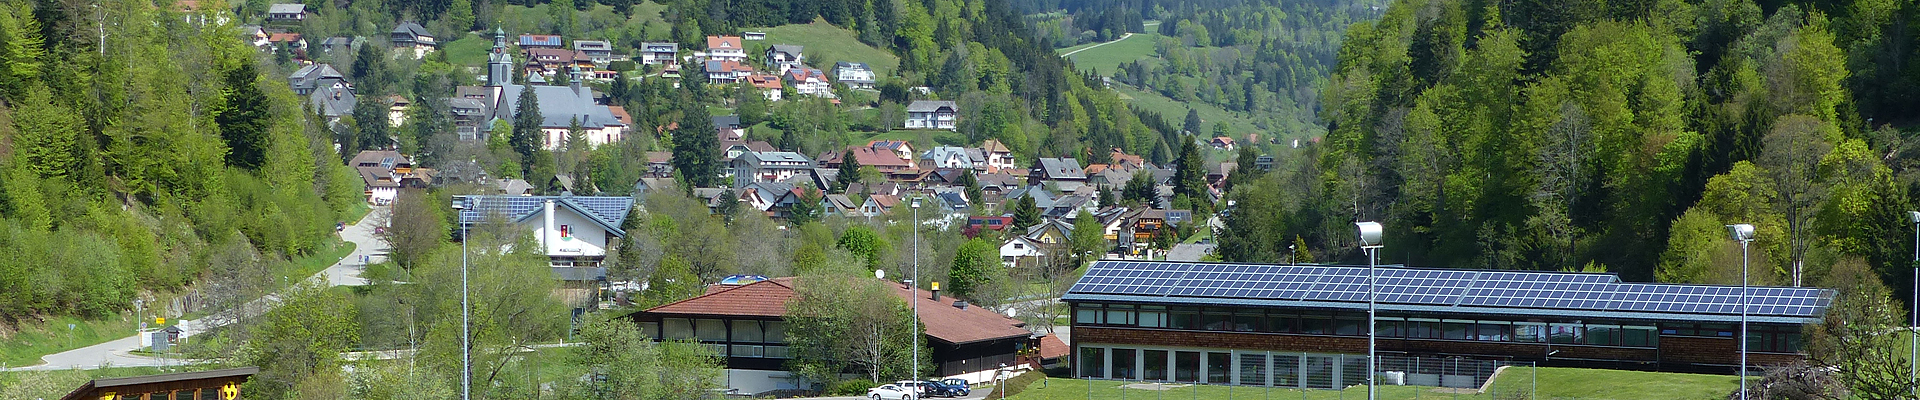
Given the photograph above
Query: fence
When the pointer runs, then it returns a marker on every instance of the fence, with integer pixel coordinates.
(1416, 378)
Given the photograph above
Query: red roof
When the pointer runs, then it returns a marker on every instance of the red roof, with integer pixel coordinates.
(1051, 347)
(723, 42)
(769, 299)
(284, 37)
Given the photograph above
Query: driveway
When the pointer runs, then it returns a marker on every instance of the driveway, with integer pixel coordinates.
(116, 353)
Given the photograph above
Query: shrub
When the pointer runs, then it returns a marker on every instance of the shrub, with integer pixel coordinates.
(850, 387)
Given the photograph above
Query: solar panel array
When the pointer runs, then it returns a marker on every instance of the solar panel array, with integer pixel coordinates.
(1515, 289)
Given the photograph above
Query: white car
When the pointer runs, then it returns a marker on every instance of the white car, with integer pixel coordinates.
(891, 392)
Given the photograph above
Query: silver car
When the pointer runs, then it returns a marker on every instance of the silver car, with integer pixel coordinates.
(892, 392)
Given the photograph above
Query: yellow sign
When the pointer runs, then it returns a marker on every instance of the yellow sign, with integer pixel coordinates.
(229, 391)
(159, 320)
(109, 396)
(936, 285)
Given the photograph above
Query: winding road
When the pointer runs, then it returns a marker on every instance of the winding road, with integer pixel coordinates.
(117, 353)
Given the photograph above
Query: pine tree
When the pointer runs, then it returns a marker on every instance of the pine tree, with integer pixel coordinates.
(849, 171)
(696, 149)
(460, 16)
(1025, 213)
(243, 119)
(526, 128)
(1189, 176)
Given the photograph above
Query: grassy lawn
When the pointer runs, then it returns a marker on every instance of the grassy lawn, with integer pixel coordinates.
(1107, 58)
(469, 50)
(1584, 384)
(1176, 111)
(825, 44)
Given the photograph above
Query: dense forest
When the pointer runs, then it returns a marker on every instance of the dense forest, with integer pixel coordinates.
(1613, 136)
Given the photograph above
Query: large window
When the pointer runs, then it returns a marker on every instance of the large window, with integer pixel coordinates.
(1123, 367)
(1119, 314)
(1286, 370)
(1353, 323)
(1093, 362)
(710, 330)
(748, 331)
(1153, 316)
(1773, 338)
(1156, 365)
(1186, 366)
(1253, 369)
(678, 328)
(776, 332)
(1219, 367)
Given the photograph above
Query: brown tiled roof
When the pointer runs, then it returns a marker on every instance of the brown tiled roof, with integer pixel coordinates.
(766, 298)
(769, 299)
(1051, 347)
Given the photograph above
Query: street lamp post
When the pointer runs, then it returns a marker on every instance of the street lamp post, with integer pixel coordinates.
(1370, 233)
(913, 292)
(466, 358)
(1742, 233)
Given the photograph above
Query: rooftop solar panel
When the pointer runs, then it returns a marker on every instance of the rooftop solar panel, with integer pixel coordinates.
(1437, 287)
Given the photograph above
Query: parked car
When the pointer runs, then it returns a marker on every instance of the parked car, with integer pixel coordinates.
(892, 392)
(922, 388)
(934, 389)
(958, 385)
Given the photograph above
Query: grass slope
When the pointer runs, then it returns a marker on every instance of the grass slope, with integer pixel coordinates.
(1584, 384)
(1175, 111)
(1107, 58)
(825, 44)
(469, 50)
(35, 340)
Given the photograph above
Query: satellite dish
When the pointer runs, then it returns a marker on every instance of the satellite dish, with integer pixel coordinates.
(879, 274)
(1012, 312)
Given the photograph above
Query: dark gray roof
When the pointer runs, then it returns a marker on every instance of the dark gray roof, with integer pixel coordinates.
(332, 102)
(722, 121)
(411, 28)
(849, 64)
(1520, 293)
(310, 76)
(790, 49)
(608, 211)
(931, 106)
(286, 8)
(560, 106)
(1062, 168)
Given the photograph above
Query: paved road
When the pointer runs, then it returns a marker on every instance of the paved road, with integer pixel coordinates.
(1122, 37)
(1189, 252)
(114, 353)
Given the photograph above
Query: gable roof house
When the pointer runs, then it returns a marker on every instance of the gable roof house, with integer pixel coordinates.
(411, 36)
(773, 166)
(900, 148)
(383, 172)
(727, 71)
(315, 76)
(932, 114)
(946, 157)
(885, 161)
(554, 61)
(769, 85)
(289, 13)
(573, 231)
(599, 51)
(1019, 250)
(782, 57)
(808, 81)
(1057, 169)
(725, 48)
(838, 204)
(998, 157)
(332, 102)
(653, 53)
(746, 323)
(854, 75)
(729, 128)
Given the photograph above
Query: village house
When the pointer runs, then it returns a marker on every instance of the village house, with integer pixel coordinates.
(384, 172)
(932, 114)
(397, 110)
(808, 81)
(561, 107)
(998, 157)
(854, 75)
(946, 157)
(725, 48)
(769, 86)
(413, 38)
(782, 57)
(1058, 170)
(900, 148)
(286, 13)
(1221, 143)
(598, 51)
(724, 72)
(573, 231)
(307, 79)
(774, 166)
(557, 61)
(656, 53)
(1019, 250)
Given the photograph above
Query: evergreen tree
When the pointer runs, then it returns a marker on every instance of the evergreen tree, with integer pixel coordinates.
(371, 128)
(1189, 175)
(526, 129)
(696, 149)
(849, 171)
(460, 16)
(1025, 213)
(243, 119)
(1192, 124)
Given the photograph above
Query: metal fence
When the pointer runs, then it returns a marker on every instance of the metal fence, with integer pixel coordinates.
(1416, 378)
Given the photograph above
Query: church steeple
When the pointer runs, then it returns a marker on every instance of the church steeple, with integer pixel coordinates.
(499, 63)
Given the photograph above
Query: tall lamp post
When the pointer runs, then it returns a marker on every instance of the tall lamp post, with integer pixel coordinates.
(466, 359)
(1370, 233)
(1742, 233)
(913, 292)
(1913, 333)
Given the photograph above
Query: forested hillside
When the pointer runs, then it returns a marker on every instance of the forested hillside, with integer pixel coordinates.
(144, 155)
(1610, 135)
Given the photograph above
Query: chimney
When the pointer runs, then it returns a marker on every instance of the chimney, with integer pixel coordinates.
(960, 304)
(936, 292)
